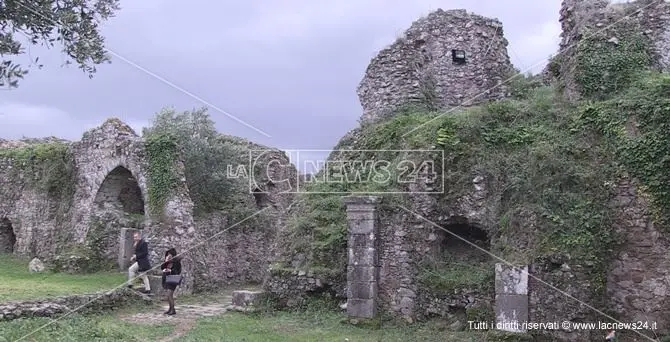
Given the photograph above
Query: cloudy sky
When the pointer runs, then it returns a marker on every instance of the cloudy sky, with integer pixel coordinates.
(281, 73)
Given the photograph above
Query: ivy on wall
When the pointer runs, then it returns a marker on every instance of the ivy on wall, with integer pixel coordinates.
(635, 126)
(162, 151)
(607, 64)
(46, 166)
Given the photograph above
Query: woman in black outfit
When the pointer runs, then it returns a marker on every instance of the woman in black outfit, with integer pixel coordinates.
(170, 266)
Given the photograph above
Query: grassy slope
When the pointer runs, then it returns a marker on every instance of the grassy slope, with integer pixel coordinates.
(289, 327)
(101, 328)
(16, 283)
(322, 327)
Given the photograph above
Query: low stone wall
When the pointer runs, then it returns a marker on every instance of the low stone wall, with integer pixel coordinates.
(291, 287)
(84, 304)
(474, 305)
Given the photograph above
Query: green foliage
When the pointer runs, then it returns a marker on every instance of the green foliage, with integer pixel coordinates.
(206, 157)
(536, 157)
(554, 66)
(480, 314)
(635, 127)
(522, 85)
(47, 166)
(162, 152)
(74, 25)
(604, 68)
(450, 276)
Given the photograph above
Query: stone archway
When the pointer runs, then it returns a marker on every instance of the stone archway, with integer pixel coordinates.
(118, 208)
(120, 192)
(7, 236)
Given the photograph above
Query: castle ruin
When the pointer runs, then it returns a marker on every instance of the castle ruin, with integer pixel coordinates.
(447, 59)
(606, 21)
(103, 196)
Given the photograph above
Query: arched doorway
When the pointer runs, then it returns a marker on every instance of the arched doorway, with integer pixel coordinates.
(458, 260)
(120, 192)
(118, 205)
(7, 236)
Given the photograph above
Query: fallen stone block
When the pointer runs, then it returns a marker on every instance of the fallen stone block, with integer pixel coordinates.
(246, 299)
(35, 266)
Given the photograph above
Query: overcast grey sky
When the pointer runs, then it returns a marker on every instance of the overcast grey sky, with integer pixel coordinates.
(289, 68)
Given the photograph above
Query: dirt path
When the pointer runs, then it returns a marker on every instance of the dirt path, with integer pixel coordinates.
(186, 316)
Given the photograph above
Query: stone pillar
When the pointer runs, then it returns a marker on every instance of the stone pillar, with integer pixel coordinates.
(511, 302)
(126, 249)
(363, 261)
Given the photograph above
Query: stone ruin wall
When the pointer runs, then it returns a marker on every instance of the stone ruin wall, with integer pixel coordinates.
(637, 277)
(110, 190)
(28, 216)
(241, 252)
(418, 67)
(577, 17)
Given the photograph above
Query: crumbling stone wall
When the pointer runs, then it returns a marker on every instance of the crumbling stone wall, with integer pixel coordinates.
(580, 18)
(239, 249)
(32, 214)
(418, 68)
(233, 254)
(292, 286)
(86, 303)
(109, 158)
(638, 278)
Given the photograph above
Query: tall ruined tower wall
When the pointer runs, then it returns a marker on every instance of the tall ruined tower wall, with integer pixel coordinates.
(604, 20)
(419, 67)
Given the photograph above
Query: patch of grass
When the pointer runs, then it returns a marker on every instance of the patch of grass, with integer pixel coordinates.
(318, 321)
(75, 327)
(16, 283)
(309, 327)
(448, 276)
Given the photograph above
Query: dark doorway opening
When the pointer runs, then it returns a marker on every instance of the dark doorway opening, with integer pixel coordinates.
(7, 236)
(120, 191)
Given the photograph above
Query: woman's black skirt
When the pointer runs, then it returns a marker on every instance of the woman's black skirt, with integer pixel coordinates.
(166, 285)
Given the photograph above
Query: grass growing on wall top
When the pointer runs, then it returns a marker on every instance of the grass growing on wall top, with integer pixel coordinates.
(46, 166)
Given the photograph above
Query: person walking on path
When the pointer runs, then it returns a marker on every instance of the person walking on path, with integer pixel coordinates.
(141, 263)
(171, 276)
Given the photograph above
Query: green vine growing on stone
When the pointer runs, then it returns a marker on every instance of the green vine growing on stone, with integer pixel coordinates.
(162, 151)
(635, 126)
(606, 64)
(46, 166)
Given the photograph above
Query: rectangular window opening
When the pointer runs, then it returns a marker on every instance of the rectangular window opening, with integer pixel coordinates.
(458, 56)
